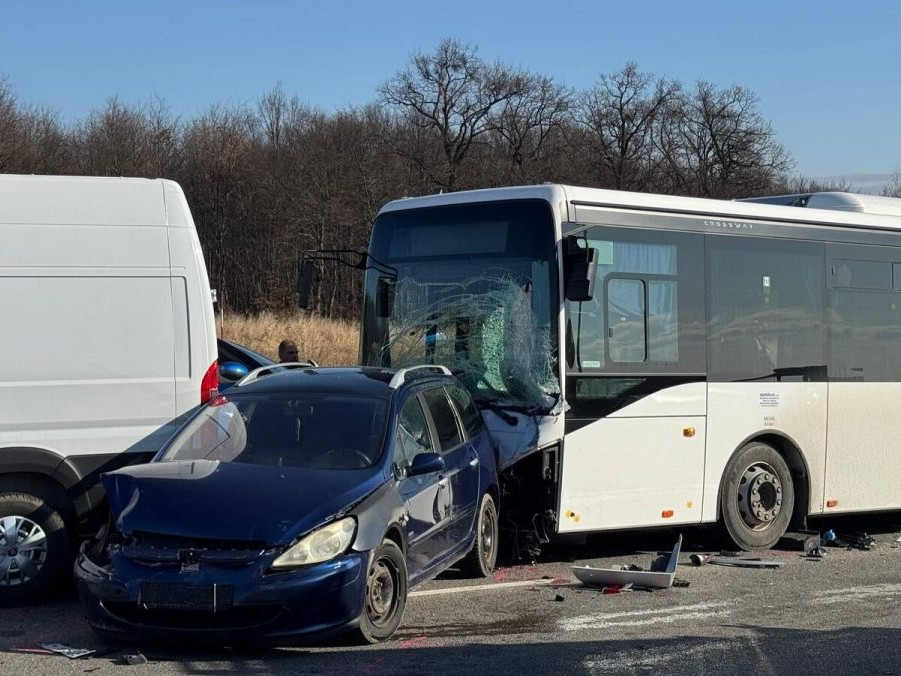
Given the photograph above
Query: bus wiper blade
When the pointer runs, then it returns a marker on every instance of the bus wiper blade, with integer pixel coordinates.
(501, 410)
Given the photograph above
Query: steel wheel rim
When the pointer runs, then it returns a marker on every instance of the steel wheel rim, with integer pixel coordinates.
(382, 588)
(487, 536)
(23, 550)
(759, 496)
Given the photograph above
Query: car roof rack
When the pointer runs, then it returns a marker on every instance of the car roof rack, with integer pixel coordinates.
(274, 368)
(401, 375)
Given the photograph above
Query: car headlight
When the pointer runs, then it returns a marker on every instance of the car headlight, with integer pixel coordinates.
(321, 545)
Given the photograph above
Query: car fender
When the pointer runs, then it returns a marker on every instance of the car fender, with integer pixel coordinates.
(375, 515)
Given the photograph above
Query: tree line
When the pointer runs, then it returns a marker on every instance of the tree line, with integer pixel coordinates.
(268, 180)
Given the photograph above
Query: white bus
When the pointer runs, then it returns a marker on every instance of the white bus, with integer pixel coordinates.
(648, 360)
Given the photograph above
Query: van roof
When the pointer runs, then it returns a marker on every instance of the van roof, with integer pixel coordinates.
(90, 200)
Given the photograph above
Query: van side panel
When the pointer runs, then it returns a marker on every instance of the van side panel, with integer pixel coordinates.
(89, 366)
(195, 312)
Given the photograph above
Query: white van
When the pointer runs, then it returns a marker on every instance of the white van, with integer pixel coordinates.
(107, 336)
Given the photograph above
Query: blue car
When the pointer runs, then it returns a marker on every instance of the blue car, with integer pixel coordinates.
(303, 503)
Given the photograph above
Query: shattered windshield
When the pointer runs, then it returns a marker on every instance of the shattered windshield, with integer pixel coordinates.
(476, 291)
(321, 432)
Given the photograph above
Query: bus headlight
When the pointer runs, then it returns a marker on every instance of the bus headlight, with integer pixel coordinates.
(321, 545)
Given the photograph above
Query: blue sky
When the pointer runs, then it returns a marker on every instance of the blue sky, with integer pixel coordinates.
(827, 73)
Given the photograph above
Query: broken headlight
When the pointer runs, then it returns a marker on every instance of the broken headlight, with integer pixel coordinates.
(321, 545)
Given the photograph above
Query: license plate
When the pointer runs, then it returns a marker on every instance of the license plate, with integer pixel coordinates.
(174, 596)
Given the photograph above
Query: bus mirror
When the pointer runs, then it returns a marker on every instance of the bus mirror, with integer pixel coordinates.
(304, 282)
(581, 270)
(384, 303)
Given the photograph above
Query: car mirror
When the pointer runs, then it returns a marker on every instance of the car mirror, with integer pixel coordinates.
(232, 370)
(426, 463)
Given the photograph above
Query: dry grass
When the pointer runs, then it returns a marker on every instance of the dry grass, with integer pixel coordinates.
(328, 342)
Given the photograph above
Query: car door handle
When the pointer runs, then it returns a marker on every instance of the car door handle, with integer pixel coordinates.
(442, 482)
(473, 462)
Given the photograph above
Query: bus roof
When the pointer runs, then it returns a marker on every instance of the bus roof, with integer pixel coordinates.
(842, 209)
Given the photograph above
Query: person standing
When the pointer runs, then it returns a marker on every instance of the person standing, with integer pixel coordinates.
(287, 351)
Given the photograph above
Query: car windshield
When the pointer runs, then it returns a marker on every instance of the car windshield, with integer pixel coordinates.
(325, 431)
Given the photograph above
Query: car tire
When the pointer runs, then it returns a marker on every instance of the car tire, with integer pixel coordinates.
(35, 556)
(482, 557)
(385, 597)
(757, 497)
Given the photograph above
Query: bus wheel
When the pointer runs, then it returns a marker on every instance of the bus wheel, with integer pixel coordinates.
(757, 498)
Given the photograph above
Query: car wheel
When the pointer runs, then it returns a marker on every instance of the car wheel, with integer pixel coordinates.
(386, 593)
(34, 549)
(757, 498)
(483, 555)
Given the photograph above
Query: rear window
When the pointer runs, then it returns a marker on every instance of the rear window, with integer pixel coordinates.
(322, 432)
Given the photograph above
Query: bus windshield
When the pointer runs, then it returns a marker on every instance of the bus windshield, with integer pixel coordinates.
(476, 291)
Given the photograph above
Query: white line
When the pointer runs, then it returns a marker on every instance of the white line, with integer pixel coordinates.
(847, 594)
(644, 617)
(480, 587)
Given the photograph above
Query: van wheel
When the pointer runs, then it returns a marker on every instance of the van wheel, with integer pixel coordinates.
(34, 549)
(757, 498)
(483, 555)
(386, 594)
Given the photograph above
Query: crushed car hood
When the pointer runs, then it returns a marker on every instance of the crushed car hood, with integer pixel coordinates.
(232, 501)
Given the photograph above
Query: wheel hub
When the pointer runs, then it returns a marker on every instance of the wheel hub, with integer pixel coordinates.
(759, 496)
(381, 591)
(23, 550)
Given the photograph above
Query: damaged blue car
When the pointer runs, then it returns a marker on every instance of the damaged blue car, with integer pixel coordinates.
(303, 504)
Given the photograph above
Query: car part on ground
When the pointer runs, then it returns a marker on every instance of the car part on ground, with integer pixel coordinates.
(657, 579)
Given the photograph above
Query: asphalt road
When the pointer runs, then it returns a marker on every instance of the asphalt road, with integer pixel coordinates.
(838, 615)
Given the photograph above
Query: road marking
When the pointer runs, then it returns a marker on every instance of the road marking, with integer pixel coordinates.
(863, 592)
(481, 587)
(657, 657)
(638, 618)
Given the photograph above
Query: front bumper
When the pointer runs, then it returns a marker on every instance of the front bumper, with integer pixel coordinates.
(262, 607)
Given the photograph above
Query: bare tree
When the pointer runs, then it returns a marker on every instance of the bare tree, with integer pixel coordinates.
(723, 146)
(893, 189)
(620, 113)
(524, 122)
(451, 93)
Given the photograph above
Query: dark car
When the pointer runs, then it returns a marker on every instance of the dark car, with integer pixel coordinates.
(300, 504)
(236, 361)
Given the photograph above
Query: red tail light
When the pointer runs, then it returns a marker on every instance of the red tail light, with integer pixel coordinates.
(209, 386)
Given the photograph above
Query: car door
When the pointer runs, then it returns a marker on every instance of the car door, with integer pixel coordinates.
(426, 500)
(461, 464)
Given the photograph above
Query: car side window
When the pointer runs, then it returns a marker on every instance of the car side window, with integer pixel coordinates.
(411, 438)
(469, 414)
(444, 418)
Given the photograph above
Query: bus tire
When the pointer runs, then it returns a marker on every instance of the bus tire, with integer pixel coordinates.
(757, 497)
(35, 556)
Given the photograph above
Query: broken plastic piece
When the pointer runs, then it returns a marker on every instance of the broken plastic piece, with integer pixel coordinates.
(134, 659)
(71, 653)
(609, 577)
(699, 559)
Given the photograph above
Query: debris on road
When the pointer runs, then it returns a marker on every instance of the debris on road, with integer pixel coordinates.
(71, 653)
(134, 659)
(631, 575)
(746, 563)
(699, 559)
(858, 540)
